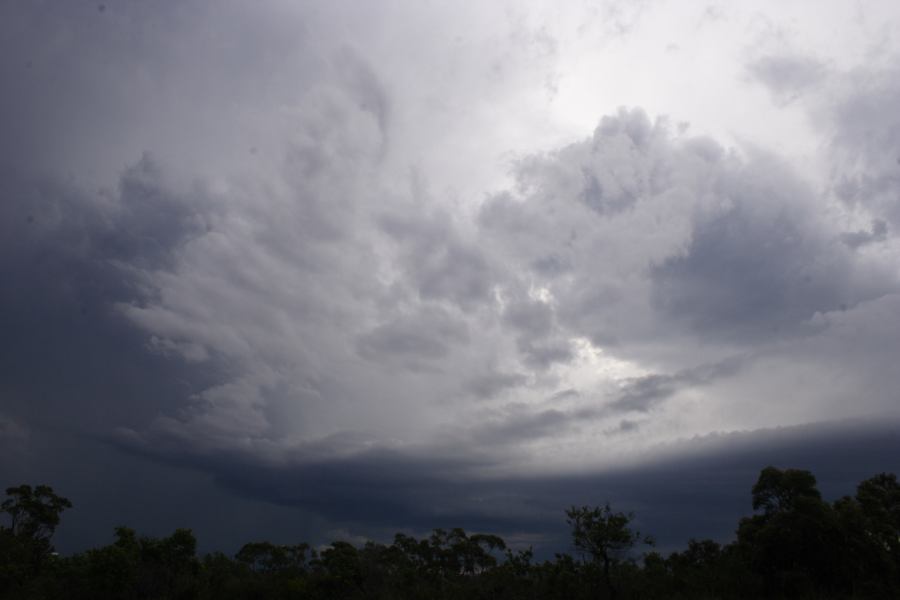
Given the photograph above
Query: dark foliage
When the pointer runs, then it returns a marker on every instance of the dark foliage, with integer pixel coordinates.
(796, 545)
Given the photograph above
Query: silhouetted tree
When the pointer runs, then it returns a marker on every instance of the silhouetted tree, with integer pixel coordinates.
(34, 512)
(25, 544)
(795, 544)
(870, 525)
(604, 535)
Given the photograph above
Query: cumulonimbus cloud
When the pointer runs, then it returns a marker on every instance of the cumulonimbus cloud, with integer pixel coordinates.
(284, 287)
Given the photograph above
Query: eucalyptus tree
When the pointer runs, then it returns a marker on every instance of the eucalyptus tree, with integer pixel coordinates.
(606, 536)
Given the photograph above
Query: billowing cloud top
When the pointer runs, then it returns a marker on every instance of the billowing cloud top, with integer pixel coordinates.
(371, 247)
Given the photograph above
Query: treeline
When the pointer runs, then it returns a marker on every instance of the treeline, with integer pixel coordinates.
(795, 545)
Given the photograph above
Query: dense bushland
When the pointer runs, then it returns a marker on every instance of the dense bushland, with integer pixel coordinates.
(795, 545)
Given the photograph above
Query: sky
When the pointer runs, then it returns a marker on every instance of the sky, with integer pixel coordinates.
(334, 270)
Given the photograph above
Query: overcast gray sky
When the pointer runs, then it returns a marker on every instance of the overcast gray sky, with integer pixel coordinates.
(338, 269)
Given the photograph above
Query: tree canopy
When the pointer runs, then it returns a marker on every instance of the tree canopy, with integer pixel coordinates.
(605, 535)
(33, 512)
(795, 545)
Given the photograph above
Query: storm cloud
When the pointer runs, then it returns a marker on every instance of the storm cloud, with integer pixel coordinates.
(393, 267)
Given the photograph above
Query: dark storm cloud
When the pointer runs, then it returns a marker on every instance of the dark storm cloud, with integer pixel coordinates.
(150, 222)
(109, 488)
(761, 266)
(247, 328)
(705, 483)
(68, 255)
(140, 223)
